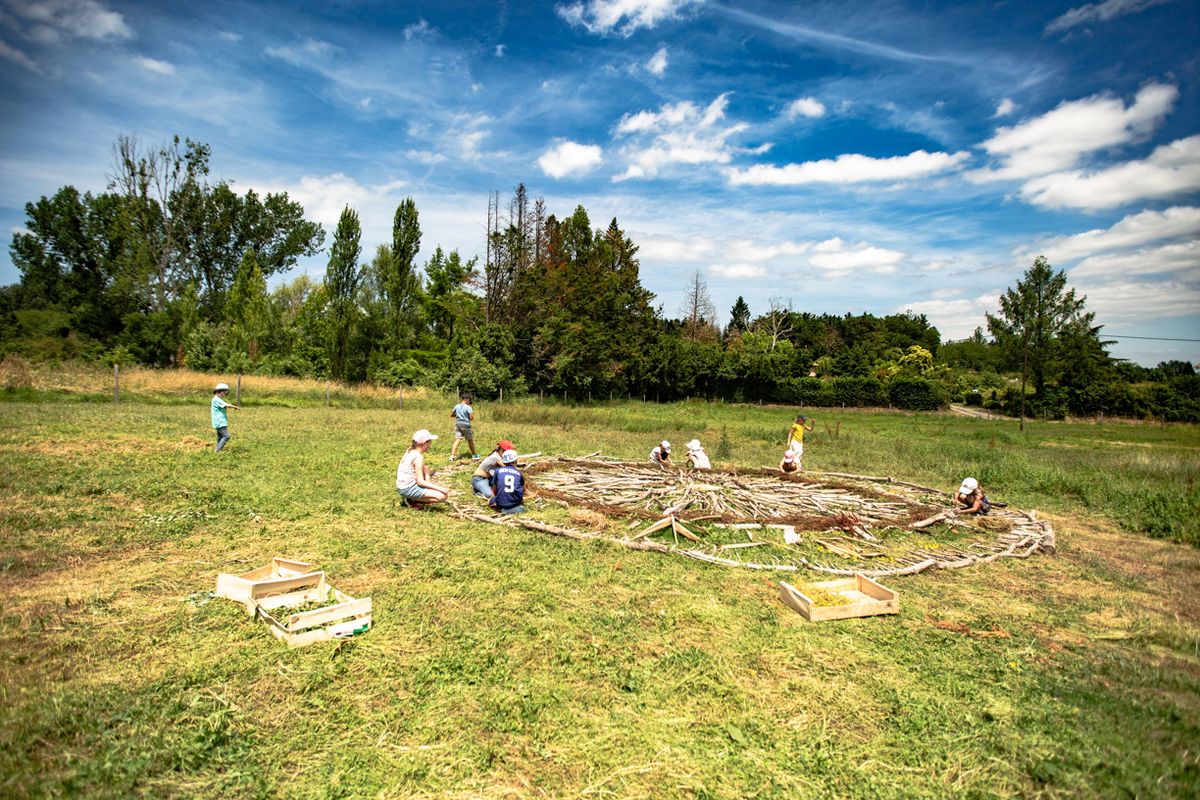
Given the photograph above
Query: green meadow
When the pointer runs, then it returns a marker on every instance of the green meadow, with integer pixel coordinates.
(507, 663)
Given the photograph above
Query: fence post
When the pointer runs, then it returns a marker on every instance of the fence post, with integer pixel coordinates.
(116, 383)
(327, 394)
(501, 395)
(237, 397)
(400, 395)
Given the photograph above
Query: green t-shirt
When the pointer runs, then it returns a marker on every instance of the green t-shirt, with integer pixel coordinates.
(220, 418)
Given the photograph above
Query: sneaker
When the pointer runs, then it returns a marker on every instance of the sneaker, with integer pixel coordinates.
(451, 458)
(475, 457)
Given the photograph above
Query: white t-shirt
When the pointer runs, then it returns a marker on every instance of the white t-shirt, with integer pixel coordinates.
(406, 473)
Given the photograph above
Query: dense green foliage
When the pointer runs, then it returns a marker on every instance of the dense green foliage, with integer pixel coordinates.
(166, 270)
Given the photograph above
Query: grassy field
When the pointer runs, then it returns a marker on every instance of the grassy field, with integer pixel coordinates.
(507, 663)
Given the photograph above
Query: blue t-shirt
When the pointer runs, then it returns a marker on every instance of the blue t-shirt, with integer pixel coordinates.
(509, 485)
(220, 417)
(462, 414)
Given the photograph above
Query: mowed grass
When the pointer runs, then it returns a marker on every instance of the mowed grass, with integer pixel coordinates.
(509, 663)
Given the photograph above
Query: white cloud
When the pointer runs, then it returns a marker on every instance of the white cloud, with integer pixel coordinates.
(229, 36)
(499, 51)
(1058, 139)
(1183, 257)
(680, 133)
(18, 57)
(1172, 169)
(365, 104)
(417, 30)
(848, 168)
(1099, 12)
(1129, 301)
(155, 66)
(425, 157)
(622, 16)
(1132, 231)
(53, 21)
(657, 65)
(570, 158)
(1005, 107)
(833, 255)
(737, 270)
(954, 319)
(303, 54)
(389, 187)
(804, 107)
(652, 247)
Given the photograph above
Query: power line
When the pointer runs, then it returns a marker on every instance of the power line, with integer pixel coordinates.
(1153, 338)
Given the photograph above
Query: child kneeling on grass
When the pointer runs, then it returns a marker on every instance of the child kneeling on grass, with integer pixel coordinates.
(508, 486)
(481, 478)
(413, 479)
(971, 499)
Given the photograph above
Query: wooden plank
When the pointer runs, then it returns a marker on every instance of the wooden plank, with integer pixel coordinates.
(312, 594)
(285, 585)
(334, 613)
(666, 522)
(682, 531)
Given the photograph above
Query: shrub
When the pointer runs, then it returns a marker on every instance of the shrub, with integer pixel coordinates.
(916, 394)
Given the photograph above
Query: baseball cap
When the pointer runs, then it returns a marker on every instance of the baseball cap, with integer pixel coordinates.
(665, 445)
(969, 485)
(508, 456)
(221, 387)
(505, 444)
(422, 436)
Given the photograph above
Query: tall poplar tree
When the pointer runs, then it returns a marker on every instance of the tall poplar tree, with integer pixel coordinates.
(342, 279)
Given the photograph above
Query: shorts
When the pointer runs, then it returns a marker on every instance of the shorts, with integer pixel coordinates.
(413, 492)
(462, 432)
(797, 448)
(513, 510)
(482, 487)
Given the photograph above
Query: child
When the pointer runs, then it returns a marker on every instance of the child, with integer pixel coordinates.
(463, 415)
(789, 463)
(796, 439)
(508, 486)
(971, 498)
(696, 455)
(661, 454)
(481, 478)
(220, 420)
(413, 479)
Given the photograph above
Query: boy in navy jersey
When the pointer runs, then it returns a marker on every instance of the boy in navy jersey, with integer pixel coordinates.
(508, 486)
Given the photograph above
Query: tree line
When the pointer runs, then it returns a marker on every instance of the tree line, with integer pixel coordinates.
(165, 268)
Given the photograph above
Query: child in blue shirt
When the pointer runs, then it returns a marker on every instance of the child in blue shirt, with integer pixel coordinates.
(220, 420)
(463, 415)
(508, 486)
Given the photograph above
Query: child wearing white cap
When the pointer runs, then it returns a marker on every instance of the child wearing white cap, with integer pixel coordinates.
(696, 455)
(661, 454)
(220, 420)
(413, 479)
(971, 498)
(789, 463)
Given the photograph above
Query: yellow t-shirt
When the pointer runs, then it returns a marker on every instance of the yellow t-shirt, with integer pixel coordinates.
(797, 434)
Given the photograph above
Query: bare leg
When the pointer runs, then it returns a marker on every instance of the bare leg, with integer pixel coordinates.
(471, 444)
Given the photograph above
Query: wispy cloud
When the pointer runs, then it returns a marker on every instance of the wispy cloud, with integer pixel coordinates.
(1005, 107)
(18, 57)
(657, 65)
(54, 21)
(1182, 257)
(835, 256)
(1099, 12)
(570, 158)
(1135, 230)
(622, 16)
(849, 168)
(1171, 170)
(737, 271)
(804, 107)
(304, 54)
(1058, 139)
(155, 66)
(679, 133)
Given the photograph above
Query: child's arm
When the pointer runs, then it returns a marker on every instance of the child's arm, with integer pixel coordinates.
(810, 424)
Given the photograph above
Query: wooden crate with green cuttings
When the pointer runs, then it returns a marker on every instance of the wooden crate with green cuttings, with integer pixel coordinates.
(841, 599)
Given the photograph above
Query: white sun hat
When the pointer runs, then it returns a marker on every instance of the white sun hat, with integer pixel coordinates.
(665, 445)
(694, 444)
(422, 436)
(969, 485)
(221, 387)
(789, 456)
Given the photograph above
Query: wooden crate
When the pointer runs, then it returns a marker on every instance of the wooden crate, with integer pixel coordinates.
(347, 617)
(277, 577)
(866, 597)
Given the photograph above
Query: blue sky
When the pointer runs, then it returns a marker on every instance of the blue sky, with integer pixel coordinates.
(832, 157)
